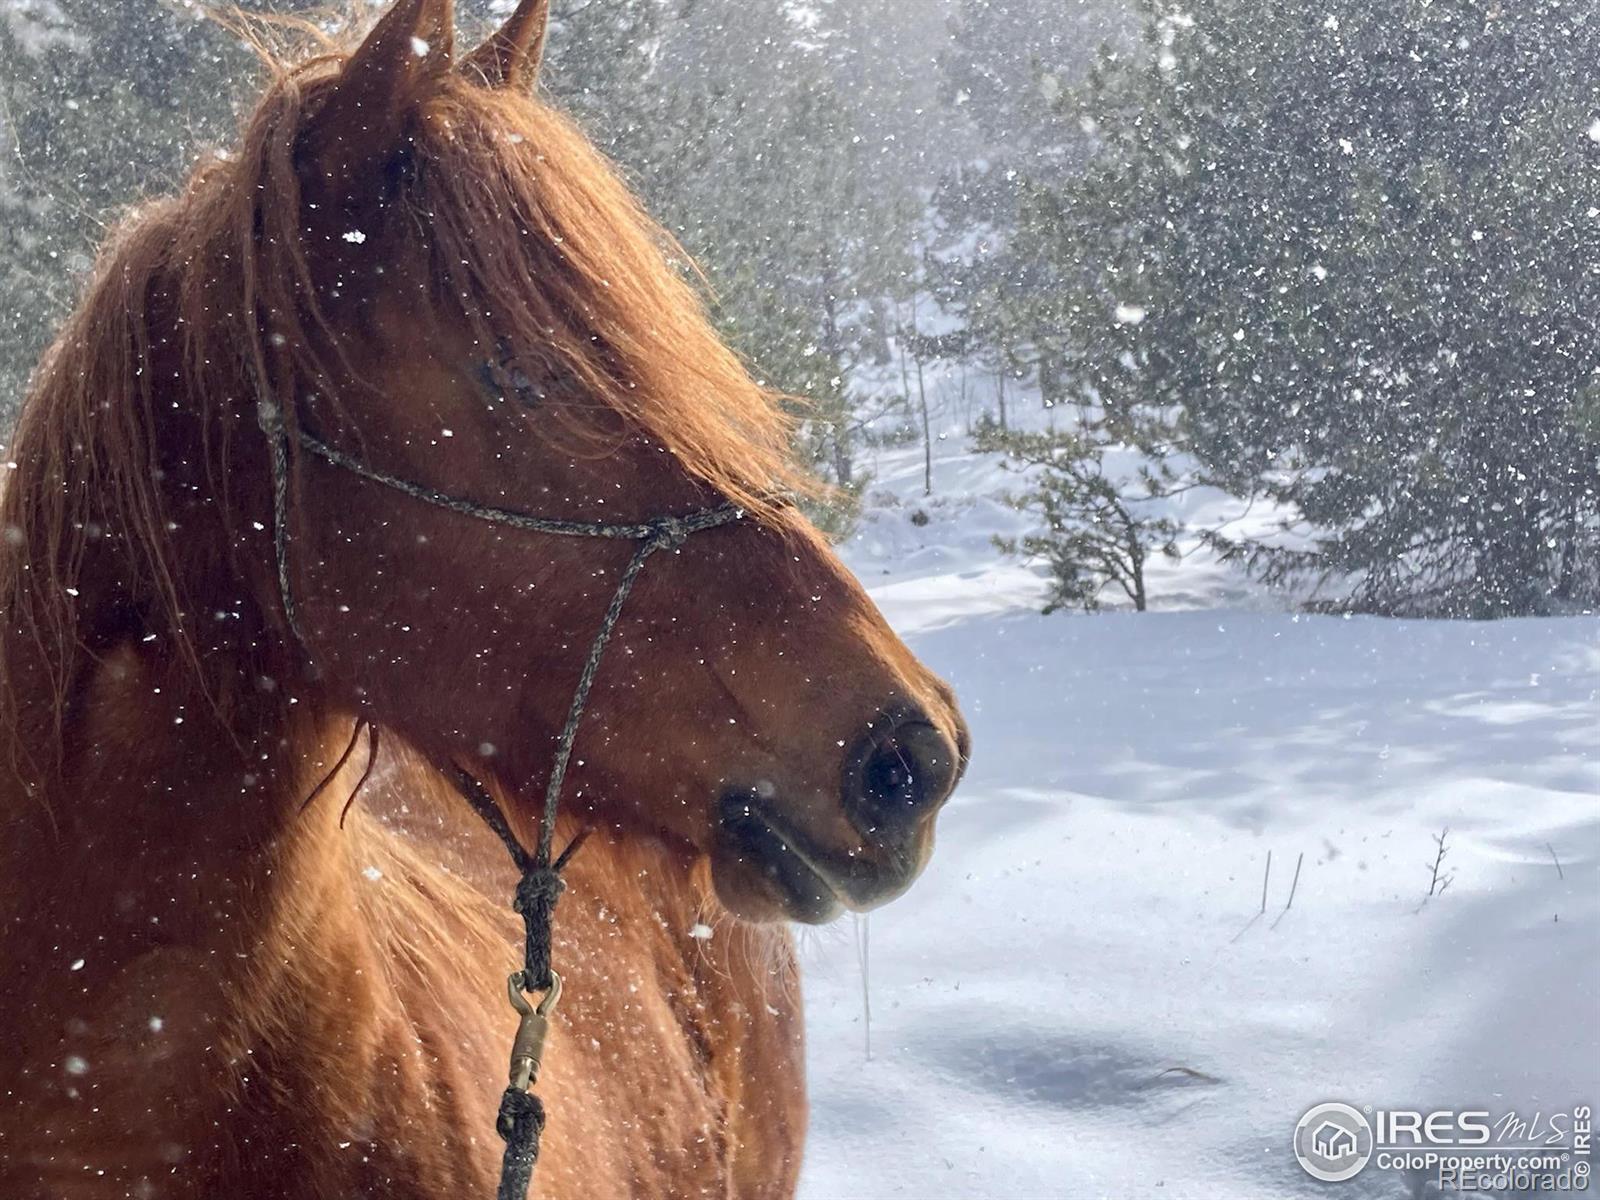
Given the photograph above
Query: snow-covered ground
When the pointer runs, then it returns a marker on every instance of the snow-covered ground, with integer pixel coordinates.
(1081, 998)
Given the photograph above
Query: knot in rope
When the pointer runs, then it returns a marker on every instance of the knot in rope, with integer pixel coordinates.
(521, 1119)
(520, 1124)
(671, 533)
(537, 892)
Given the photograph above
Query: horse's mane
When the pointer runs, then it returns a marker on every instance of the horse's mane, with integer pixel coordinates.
(523, 225)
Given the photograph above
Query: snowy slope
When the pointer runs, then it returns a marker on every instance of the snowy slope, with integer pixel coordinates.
(1081, 998)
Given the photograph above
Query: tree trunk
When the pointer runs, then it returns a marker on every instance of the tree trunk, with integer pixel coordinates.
(834, 352)
(927, 434)
(1567, 576)
(1050, 390)
(1512, 577)
(842, 468)
(922, 399)
(1134, 544)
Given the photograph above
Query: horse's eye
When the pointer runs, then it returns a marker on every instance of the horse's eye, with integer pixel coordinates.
(523, 386)
(508, 378)
(487, 379)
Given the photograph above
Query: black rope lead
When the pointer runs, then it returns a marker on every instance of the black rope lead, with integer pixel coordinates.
(521, 1124)
(537, 893)
(521, 1120)
(538, 888)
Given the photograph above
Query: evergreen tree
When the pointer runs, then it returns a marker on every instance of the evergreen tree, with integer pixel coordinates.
(1099, 528)
(602, 67)
(1354, 245)
(1006, 68)
(100, 104)
(785, 200)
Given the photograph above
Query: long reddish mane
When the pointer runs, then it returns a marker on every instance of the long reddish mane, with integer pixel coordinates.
(528, 231)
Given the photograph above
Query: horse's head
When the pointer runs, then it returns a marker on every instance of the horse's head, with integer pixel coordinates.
(455, 289)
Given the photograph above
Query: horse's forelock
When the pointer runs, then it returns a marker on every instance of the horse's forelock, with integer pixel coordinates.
(551, 251)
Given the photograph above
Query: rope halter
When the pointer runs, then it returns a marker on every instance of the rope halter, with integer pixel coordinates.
(522, 1117)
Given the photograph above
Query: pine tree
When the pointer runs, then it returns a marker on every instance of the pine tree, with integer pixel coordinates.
(1005, 70)
(1098, 527)
(602, 67)
(784, 200)
(1353, 244)
(101, 103)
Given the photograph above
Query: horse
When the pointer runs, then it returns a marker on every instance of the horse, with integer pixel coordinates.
(247, 948)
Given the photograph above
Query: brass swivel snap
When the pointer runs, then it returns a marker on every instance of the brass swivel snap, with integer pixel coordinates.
(527, 1049)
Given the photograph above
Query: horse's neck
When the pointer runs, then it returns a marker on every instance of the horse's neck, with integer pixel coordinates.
(164, 884)
(161, 822)
(196, 969)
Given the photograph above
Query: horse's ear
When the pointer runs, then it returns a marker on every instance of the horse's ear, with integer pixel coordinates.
(362, 124)
(511, 56)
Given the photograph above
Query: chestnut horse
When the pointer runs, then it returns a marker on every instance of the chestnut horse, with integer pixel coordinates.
(213, 986)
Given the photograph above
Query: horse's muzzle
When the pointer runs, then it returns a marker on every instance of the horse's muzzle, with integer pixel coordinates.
(766, 862)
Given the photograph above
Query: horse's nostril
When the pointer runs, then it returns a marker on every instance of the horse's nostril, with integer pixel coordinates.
(890, 779)
(900, 771)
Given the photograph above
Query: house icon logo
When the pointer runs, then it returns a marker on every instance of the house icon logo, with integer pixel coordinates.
(1333, 1142)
